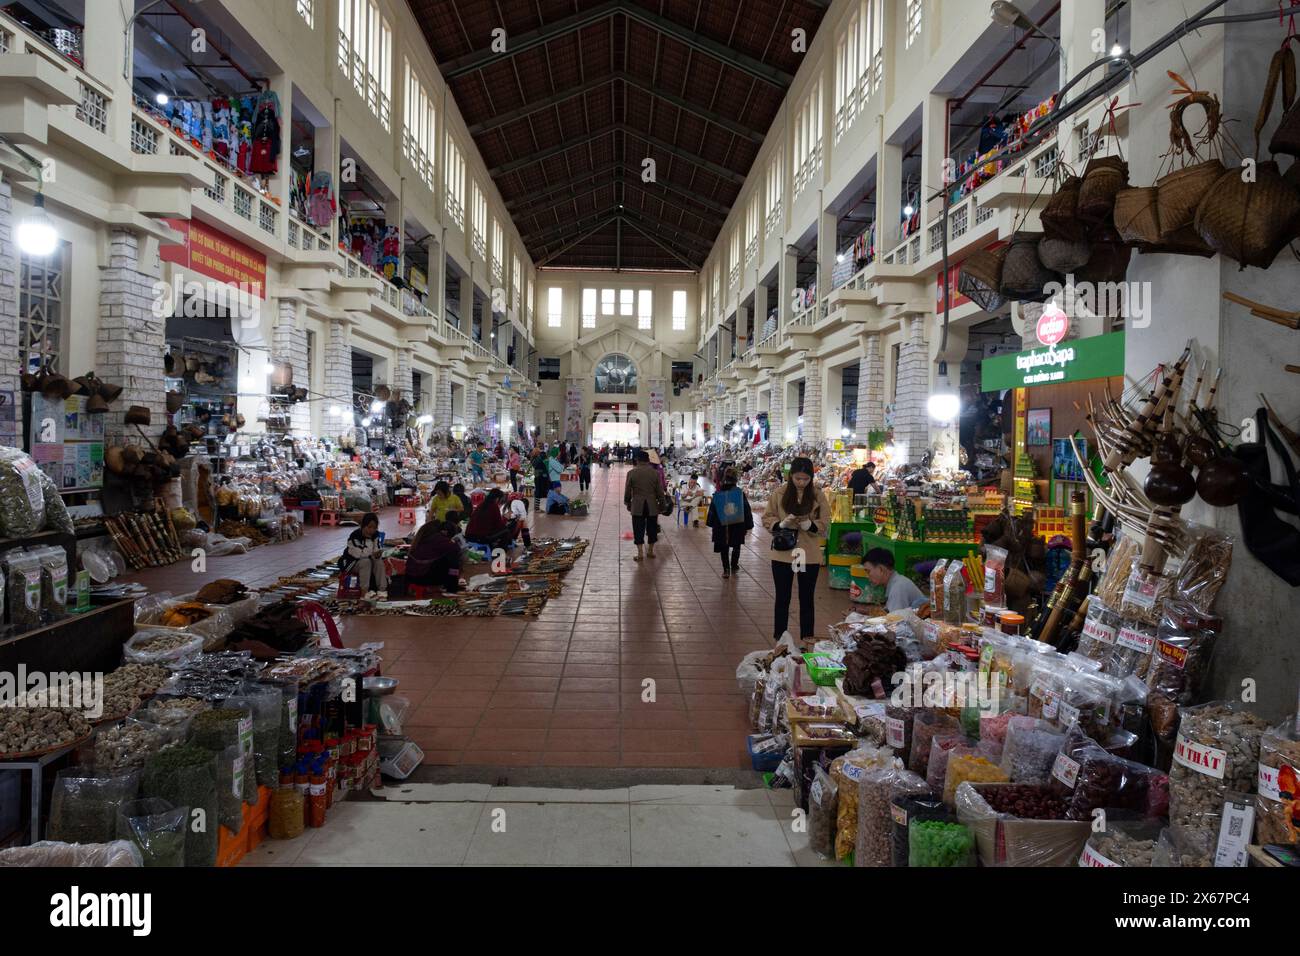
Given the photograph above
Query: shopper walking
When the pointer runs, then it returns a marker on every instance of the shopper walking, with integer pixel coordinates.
(731, 519)
(513, 463)
(584, 470)
(476, 459)
(797, 515)
(643, 496)
(362, 557)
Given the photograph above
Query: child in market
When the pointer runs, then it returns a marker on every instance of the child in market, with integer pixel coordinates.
(519, 511)
(692, 499)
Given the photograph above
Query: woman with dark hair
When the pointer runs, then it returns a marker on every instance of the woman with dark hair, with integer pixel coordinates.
(731, 519)
(434, 557)
(513, 465)
(584, 470)
(797, 515)
(362, 557)
(488, 526)
(444, 503)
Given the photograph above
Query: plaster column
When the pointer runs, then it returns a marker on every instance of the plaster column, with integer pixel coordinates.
(911, 416)
(338, 378)
(871, 387)
(289, 344)
(11, 429)
(787, 280)
(814, 425)
(130, 338)
(776, 413)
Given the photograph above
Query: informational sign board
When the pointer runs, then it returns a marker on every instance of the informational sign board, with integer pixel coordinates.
(217, 256)
(67, 443)
(1100, 356)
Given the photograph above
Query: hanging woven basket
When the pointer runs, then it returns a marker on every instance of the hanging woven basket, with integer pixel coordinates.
(1064, 255)
(981, 276)
(1137, 216)
(1181, 191)
(1060, 216)
(1024, 277)
(1249, 222)
(1103, 177)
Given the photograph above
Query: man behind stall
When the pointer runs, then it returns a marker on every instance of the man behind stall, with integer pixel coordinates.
(900, 593)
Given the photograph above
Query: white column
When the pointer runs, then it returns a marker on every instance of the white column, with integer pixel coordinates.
(338, 379)
(787, 280)
(871, 387)
(289, 344)
(130, 338)
(776, 413)
(814, 425)
(827, 239)
(911, 415)
(9, 318)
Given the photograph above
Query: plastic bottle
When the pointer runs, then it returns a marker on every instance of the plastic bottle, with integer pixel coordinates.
(316, 791)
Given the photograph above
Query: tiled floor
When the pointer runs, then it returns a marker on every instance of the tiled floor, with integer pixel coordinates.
(633, 666)
(481, 825)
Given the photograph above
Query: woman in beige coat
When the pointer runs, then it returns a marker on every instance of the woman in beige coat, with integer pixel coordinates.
(797, 506)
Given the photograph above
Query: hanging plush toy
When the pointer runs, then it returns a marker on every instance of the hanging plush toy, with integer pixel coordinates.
(221, 128)
(207, 126)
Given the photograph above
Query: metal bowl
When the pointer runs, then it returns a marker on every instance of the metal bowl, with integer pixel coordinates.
(379, 686)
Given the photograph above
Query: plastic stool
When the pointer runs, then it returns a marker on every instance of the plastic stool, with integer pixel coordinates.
(319, 621)
(329, 518)
(406, 516)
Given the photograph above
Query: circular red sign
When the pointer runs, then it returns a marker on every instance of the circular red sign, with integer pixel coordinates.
(1052, 325)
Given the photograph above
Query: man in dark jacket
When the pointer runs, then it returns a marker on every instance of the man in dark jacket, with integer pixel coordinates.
(727, 538)
(863, 478)
(642, 496)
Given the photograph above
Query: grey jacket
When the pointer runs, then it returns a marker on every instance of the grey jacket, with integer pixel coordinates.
(641, 490)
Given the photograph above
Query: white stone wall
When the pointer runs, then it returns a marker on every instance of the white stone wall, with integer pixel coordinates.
(402, 373)
(489, 411)
(776, 414)
(814, 424)
(338, 379)
(290, 345)
(471, 404)
(11, 429)
(911, 418)
(871, 388)
(130, 338)
(442, 406)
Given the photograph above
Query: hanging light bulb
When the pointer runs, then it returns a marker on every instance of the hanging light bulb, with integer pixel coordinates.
(908, 210)
(1117, 50)
(376, 406)
(365, 422)
(36, 233)
(335, 411)
(943, 403)
(162, 99)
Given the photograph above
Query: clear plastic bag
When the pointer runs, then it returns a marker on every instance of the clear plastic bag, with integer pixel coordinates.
(186, 776)
(936, 843)
(1134, 644)
(954, 594)
(1046, 683)
(23, 589)
(969, 767)
(227, 733)
(1025, 832)
(1185, 847)
(903, 809)
(1122, 843)
(927, 724)
(847, 771)
(54, 581)
(1089, 777)
(1216, 751)
(941, 748)
(1205, 568)
(162, 646)
(898, 730)
(265, 704)
(84, 804)
(874, 832)
(128, 745)
(156, 828)
(1088, 700)
(1030, 750)
(22, 495)
(53, 853)
(1184, 646)
(1100, 628)
(1277, 805)
(822, 796)
(995, 562)
(1146, 592)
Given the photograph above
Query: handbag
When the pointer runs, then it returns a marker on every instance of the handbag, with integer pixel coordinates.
(665, 506)
(784, 539)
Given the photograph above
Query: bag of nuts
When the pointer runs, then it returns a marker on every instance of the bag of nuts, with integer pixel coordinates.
(1277, 805)
(873, 844)
(1122, 843)
(1217, 750)
(822, 797)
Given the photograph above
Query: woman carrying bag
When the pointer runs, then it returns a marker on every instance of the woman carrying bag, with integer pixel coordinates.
(731, 519)
(797, 515)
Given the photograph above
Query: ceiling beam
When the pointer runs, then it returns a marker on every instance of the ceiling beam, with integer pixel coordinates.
(573, 242)
(676, 255)
(518, 43)
(549, 235)
(719, 51)
(680, 233)
(524, 162)
(722, 172)
(560, 197)
(536, 106)
(527, 202)
(703, 112)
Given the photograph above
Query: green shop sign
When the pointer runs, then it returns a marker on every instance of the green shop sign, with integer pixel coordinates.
(1098, 357)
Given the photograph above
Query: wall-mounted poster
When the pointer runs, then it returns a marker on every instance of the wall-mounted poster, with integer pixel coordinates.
(66, 442)
(1038, 426)
(573, 430)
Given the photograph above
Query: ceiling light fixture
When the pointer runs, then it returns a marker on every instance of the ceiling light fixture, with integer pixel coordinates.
(908, 210)
(36, 233)
(162, 99)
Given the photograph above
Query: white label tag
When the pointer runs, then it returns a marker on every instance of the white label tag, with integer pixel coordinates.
(317, 790)
(1207, 760)
(1141, 593)
(237, 777)
(32, 589)
(1065, 770)
(1135, 640)
(28, 472)
(1051, 704)
(815, 792)
(246, 735)
(1234, 833)
(1270, 785)
(895, 732)
(899, 815)
(1067, 714)
(1097, 631)
(1090, 857)
(293, 715)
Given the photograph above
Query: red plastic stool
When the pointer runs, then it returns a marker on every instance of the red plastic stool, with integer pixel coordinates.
(406, 516)
(320, 622)
(329, 518)
(421, 591)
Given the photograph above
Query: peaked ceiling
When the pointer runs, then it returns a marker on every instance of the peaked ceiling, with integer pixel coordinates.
(586, 90)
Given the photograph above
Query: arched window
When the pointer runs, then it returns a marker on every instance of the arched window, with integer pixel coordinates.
(616, 375)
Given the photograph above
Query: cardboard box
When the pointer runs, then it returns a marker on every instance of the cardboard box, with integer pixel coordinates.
(1008, 841)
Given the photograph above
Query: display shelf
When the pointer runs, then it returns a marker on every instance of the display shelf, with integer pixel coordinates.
(907, 554)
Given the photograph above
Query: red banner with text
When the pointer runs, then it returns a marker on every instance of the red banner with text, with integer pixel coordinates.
(217, 256)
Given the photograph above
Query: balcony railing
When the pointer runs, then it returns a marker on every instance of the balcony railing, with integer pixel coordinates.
(305, 237)
(144, 136)
(773, 219)
(93, 108)
(751, 250)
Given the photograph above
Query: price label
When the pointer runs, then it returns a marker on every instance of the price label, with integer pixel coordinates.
(1171, 654)
(1065, 770)
(1097, 631)
(1135, 640)
(1090, 857)
(1068, 714)
(895, 733)
(1207, 760)
(899, 815)
(1234, 833)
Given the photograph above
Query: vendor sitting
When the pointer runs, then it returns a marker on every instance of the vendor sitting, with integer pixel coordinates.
(900, 593)
(488, 526)
(434, 558)
(444, 503)
(556, 502)
(363, 557)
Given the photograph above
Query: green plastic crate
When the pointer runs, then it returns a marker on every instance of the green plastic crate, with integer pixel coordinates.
(821, 670)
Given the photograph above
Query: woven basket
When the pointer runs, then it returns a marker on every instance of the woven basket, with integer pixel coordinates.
(1249, 222)
(1060, 217)
(1103, 177)
(981, 276)
(1024, 277)
(1180, 192)
(1137, 217)
(1108, 263)
(1063, 255)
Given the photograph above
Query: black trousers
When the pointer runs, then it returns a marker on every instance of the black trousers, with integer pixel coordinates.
(735, 557)
(514, 480)
(783, 576)
(643, 526)
(584, 479)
